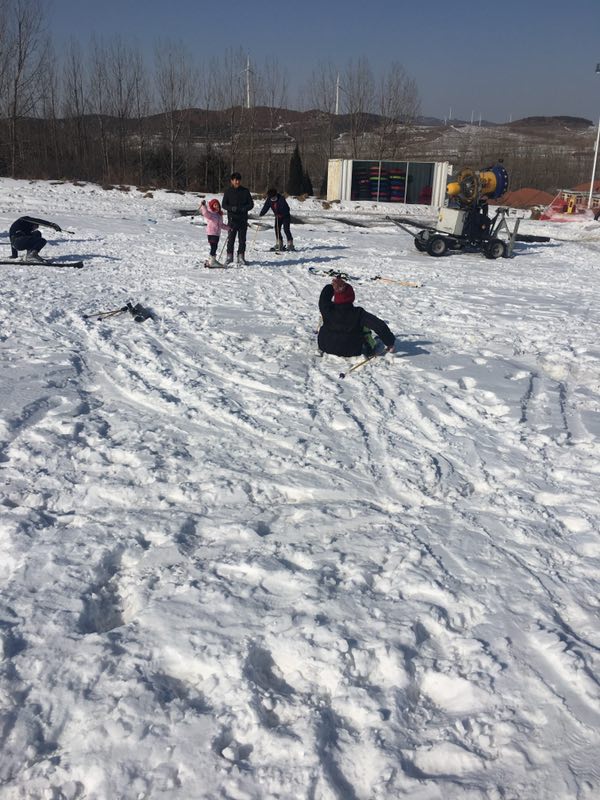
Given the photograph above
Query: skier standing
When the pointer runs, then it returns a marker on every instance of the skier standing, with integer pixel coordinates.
(346, 328)
(24, 235)
(237, 202)
(279, 205)
(214, 225)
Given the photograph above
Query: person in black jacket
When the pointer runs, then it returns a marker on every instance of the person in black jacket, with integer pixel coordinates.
(281, 209)
(24, 235)
(346, 328)
(237, 202)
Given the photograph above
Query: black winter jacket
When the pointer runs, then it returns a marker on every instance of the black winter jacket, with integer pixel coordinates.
(341, 333)
(24, 226)
(237, 202)
(280, 207)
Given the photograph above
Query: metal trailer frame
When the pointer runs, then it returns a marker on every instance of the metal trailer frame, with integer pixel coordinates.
(437, 242)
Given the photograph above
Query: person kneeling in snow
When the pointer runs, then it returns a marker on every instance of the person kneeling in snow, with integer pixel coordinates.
(346, 328)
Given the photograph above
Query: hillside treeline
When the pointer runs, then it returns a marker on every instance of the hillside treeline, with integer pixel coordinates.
(102, 112)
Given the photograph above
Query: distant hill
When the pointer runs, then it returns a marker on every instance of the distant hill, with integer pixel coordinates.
(550, 122)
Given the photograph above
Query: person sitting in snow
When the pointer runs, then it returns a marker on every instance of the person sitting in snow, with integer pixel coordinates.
(214, 225)
(24, 235)
(278, 204)
(346, 328)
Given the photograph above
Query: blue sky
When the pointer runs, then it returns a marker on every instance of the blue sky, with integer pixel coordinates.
(511, 59)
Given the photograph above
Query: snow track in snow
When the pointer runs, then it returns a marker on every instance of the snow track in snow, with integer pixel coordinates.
(226, 572)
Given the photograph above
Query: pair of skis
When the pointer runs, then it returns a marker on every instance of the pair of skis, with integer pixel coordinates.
(333, 273)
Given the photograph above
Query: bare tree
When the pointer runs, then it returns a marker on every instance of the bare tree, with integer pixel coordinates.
(321, 96)
(358, 93)
(24, 52)
(398, 106)
(231, 94)
(98, 94)
(122, 67)
(177, 85)
(141, 110)
(75, 106)
(49, 143)
(271, 91)
(208, 100)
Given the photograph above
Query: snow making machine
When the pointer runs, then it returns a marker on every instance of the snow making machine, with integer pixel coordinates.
(464, 224)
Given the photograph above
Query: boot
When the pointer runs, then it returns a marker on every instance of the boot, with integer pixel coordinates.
(278, 247)
(33, 257)
(290, 246)
(241, 261)
(229, 259)
(212, 262)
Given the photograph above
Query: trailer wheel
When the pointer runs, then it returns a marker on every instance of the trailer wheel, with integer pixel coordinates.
(437, 246)
(421, 246)
(495, 248)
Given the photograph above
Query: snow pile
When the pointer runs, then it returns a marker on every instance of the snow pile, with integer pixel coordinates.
(227, 573)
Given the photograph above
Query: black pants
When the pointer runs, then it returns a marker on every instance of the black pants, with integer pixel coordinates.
(239, 231)
(34, 241)
(285, 224)
(214, 243)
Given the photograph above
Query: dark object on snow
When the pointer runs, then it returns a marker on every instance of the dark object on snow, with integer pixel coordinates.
(45, 263)
(137, 311)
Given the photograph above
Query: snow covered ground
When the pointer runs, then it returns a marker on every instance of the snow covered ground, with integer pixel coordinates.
(228, 573)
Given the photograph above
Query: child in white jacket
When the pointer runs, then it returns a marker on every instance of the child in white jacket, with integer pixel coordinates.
(214, 225)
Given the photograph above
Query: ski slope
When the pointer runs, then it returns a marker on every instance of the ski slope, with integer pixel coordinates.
(228, 573)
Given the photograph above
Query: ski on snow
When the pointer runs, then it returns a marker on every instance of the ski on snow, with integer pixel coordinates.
(73, 264)
(334, 273)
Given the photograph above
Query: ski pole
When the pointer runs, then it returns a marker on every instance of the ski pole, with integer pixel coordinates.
(256, 229)
(360, 364)
(278, 242)
(106, 314)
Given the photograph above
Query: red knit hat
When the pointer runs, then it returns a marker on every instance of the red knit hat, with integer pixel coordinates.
(342, 292)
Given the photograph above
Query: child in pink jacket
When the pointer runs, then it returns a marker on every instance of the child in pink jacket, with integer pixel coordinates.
(214, 225)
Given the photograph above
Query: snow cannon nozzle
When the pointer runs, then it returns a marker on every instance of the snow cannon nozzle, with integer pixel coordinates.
(471, 185)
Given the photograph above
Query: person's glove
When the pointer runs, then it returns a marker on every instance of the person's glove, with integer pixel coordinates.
(203, 202)
(390, 349)
(57, 228)
(233, 209)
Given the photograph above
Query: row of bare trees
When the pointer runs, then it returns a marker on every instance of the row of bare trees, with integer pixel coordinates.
(101, 112)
